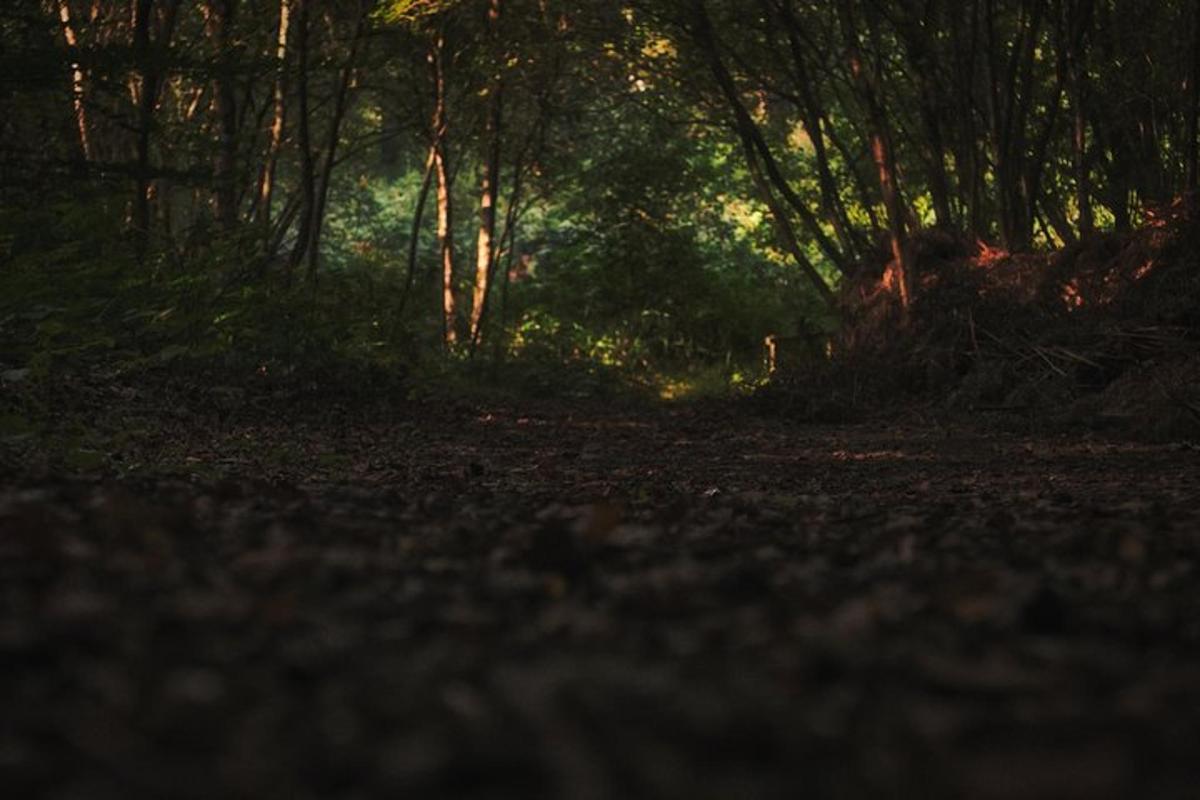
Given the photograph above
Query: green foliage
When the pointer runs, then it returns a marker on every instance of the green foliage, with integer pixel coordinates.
(642, 265)
(414, 10)
(644, 247)
(63, 309)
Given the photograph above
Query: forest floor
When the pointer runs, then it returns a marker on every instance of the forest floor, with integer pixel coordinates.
(584, 600)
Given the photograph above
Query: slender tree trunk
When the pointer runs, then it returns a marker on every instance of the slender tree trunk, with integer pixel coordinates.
(1073, 34)
(489, 185)
(340, 105)
(920, 45)
(1117, 186)
(757, 149)
(754, 150)
(964, 37)
(783, 228)
(811, 116)
(1010, 101)
(1083, 189)
(1053, 214)
(220, 17)
(881, 151)
(507, 235)
(78, 82)
(308, 182)
(148, 79)
(485, 251)
(866, 198)
(939, 181)
(266, 187)
(414, 236)
(145, 109)
(1192, 144)
(445, 217)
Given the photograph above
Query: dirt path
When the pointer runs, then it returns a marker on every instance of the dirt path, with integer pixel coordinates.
(602, 603)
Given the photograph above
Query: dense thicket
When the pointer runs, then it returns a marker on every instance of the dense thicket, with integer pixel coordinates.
(626, 183)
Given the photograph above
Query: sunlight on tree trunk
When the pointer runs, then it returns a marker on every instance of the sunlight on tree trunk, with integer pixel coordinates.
(490, 183)
(78, 82)
(445, 218)
(881, 152)
(266, 188)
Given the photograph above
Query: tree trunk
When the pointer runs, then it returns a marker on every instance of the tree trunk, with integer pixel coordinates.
(219, 22)
(149, 77)
(445, 218)
(78, 82)
(507, 236)
(414, 236)
(489, 186)
(881, 151)
(340, 101)
(266, 188)
(145, 110)
(1010, 101)
(1074, 57)
(811, 116)
(964, 37)
(746, 127)
(1192, 144)
(756, 149)
(308, 184)
(917, 35)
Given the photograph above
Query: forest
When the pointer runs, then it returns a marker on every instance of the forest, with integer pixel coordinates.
(600, 398)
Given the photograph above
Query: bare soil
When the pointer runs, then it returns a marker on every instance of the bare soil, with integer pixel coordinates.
(588, 602)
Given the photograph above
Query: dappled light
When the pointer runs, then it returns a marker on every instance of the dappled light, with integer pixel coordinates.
(599, 400)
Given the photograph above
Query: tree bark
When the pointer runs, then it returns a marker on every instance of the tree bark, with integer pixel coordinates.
(1077, 23)
(219, 22)
(308, 186)
(414, 235)
(78, 82)
(508, 234)
(149, 77)
(1009, 104)
(811, 115)
(746, 126)
(917, 35)
(963, 21)
(266, 188)
(489, 184)
(1192, 144)
(881, 151)
(340, 104)
(756, 149)
(445, 217)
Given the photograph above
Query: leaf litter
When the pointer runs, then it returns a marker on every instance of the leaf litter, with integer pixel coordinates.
(581, 601)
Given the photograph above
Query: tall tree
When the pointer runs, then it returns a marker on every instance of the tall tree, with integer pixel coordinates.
(219, 21)
(758, 154)
(867, 80)
(153, 26)
(445, 195)
(78, 81)
(485, 252)
(266, 187)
